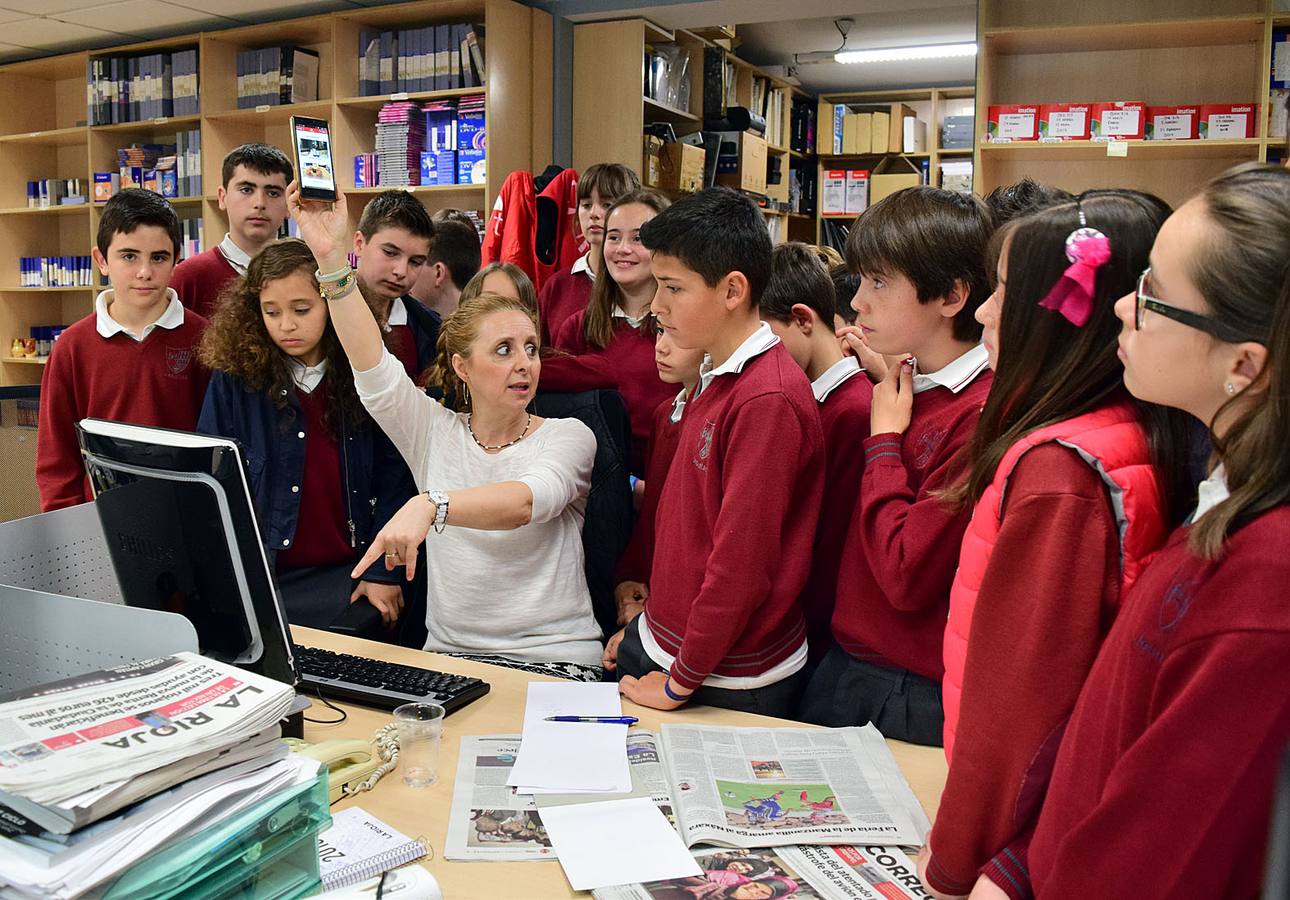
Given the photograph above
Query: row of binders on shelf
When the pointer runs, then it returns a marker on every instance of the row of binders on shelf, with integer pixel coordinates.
(55, 271)
(431, 58)
(133, 88)
(273, 76)
(47, 193)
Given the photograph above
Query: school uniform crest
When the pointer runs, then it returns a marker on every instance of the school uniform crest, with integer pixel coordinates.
(705, 445)
(177, 359)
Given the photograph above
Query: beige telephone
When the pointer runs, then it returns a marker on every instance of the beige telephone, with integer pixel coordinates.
(349, 764)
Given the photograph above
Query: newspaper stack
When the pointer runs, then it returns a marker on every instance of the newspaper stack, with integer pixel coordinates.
(400, 138)
(76, 750)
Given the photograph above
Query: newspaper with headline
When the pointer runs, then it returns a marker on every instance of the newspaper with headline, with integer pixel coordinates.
(800, 873)
(770, 787)
(66, 745)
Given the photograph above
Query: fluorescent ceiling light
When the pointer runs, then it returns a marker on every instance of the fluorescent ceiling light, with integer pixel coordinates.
(896, 54)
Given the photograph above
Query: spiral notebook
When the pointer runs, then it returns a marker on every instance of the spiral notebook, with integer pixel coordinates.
(359, 846)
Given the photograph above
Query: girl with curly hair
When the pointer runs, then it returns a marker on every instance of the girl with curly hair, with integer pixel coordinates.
(325, 478)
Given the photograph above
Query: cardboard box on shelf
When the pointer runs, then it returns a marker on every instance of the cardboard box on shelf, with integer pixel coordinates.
(914, 138)
(650, 165)
(681, 167)
(1123, 120)
(857, 133)
(1064, 122)
(1227, 121)
(1012, 122)
(893, 174)
(833, 192)
(857, 192)
(745, 168)
(1172, 123)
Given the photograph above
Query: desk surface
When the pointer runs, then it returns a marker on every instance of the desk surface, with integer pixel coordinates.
(424, 812)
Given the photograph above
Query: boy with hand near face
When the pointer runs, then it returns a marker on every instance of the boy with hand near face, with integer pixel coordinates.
(737, 516)
(254, 196)
(134, 359)
(921, 256)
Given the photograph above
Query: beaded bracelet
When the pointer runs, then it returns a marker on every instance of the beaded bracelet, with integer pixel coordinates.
(338, 275)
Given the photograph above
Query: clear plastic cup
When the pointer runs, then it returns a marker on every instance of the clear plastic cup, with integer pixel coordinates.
(420, 727)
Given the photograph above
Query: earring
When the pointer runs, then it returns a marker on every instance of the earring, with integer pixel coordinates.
(1231, 388)
(465, 393)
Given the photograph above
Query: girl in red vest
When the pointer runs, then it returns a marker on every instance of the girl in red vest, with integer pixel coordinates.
(1073, 486)
(1165, 776)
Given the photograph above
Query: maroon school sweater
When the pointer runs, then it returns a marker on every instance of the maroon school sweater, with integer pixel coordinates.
(564, 294)
(154, 382)
(903, 543)
(322, 523)
(626, 365)
(635, 563)
(735, 524)
(844, 418)
(199, 280)
(1165, 775)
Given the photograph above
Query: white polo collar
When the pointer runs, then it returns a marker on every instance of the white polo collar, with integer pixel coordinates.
(582, 265)
(835, 375)
(753, 346)
(238, 258)
(398, 314)
(307, 377)
(107, 326)
(620, 313)
(957, 375)
(1210, 492)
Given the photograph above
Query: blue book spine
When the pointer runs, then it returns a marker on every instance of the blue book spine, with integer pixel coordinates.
(387, 62)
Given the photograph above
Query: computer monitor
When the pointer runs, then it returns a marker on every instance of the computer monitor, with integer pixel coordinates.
(181, 531)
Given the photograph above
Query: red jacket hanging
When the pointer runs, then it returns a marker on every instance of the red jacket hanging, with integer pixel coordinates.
(512, 226)
(559, 241)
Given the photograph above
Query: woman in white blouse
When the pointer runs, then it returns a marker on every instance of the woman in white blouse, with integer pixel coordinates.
(503, 491)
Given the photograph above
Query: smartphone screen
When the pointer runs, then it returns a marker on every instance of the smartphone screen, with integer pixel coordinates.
(313, 158)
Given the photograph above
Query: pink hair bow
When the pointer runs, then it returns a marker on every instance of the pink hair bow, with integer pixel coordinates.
(1088, 250)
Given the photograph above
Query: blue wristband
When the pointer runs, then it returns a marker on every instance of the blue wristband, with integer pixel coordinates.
(667, 689)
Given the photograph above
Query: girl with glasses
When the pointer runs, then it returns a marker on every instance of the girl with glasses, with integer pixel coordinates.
(1072, 486)
(1166, 769)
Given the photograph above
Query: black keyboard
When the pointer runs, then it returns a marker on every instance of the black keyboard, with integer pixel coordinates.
(385, 685)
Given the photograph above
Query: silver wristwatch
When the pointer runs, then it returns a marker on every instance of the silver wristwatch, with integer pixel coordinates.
(440, 501)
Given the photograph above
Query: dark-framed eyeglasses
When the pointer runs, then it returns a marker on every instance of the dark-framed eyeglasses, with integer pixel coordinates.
(1207, 324)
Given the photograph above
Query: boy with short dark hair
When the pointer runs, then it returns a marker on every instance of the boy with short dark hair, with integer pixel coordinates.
(392, 244)
(737, 516)
(921, 256)
(254, 195)
(134, 359)
(453, 261)
(567, 293)
(799, 305)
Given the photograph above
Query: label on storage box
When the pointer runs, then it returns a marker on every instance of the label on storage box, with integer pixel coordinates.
(1171, 123)
(1122, 120)
(834, 193)
(1013, 123)
(1063, 122)
(1226, 122)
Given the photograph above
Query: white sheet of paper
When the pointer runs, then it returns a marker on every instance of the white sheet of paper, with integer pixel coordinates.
(616, 842)
(571, 756)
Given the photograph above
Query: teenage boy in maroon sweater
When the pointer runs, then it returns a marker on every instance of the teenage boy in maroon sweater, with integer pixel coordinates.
(799, 306)
(453, 261)
(134, 359)
(921, 256)
(737, 516)
(254, 195)
(567, 293)
(392, 244)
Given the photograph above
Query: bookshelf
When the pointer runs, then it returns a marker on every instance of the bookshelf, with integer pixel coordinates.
(931, 105)
(609, 117)
(44, 132)
(1183, 52)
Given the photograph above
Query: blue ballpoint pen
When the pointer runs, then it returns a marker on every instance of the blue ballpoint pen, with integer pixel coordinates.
(602, 720)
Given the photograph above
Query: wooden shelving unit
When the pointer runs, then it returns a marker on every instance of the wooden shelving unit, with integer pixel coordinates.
(609, 120)
(932, 105)
(43, 132)
(1182, 52)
